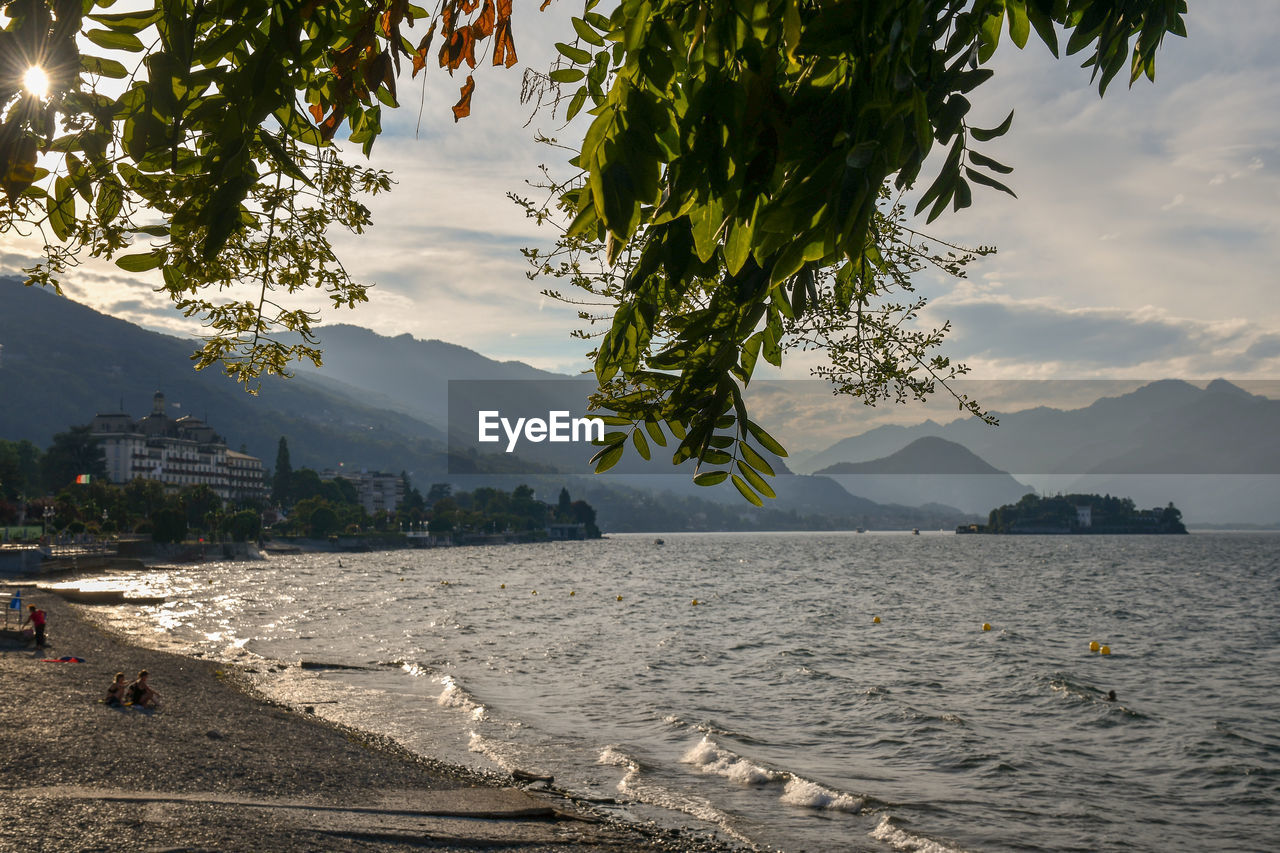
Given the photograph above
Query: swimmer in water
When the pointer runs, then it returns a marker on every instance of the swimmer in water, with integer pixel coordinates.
(1111, 696)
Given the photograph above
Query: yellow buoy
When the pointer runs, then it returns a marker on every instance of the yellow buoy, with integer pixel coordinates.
(619, 598)
(571, 593)
(695, 602)
(502, 586)
(876, 620)
(1093, 646)
(1106, 650)
(986, 626)
(535, 592)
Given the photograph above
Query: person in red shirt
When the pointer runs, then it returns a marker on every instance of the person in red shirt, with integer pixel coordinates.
(36, 617)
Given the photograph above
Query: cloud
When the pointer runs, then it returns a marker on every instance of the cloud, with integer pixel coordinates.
(1165, 194)
(1264, 347)
(1010, 337)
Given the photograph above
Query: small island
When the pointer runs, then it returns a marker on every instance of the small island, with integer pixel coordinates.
(1078, 514)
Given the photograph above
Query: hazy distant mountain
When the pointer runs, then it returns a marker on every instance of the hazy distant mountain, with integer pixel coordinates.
(1186, 442)
(930, 469)
(413, 376)
(1169, 427)
(408, 374)
(61, 363)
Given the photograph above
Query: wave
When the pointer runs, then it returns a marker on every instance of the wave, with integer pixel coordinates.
(811, 795)
(707, 728)
(900, 839)
(634, 786)
(708, 757)
(711, 758)
(492, 750)
(454, 696)
(414, 669)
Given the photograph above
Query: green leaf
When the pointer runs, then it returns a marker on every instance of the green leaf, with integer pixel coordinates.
(993, 165)
(746, 492)
(586, 32)
(710, 478)
(860, 155)
(110, 198)
(715, 457)
(1043, 22)
(607, 458)
(990, 34)
(988, 135)
(569, 75)
(576, 55)
(788, 263)
(642, 446)
(755, 460)
(103, 66)
(767, 441)
(575, 105)
(131, 22)
(979, 178)
(737, 246)
(140, 263)
(61, 207)
(1019, 23)
(791, 27)
(115, 40)
(655, 432)
(757, 482)
(706, 221)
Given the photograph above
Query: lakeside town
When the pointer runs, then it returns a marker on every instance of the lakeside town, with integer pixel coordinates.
(164, 488)
(159, 487)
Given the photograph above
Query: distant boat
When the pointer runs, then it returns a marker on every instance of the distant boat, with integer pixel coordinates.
(659, 542)
(859, 530)
(915, 531)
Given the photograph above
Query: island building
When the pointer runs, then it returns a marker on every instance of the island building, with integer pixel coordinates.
(377, 491)
(177, 452)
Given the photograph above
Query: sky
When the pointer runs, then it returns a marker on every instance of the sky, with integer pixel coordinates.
(1142, 245)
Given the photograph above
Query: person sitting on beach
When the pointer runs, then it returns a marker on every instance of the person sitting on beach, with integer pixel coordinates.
(37, 619)
(115, 693)
(140, 694)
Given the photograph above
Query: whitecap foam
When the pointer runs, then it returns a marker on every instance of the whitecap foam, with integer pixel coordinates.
(453, 696)
(811, 795)
(614, 758)
(633, 786)
(491, 750)
(900, 839)
(709, 757)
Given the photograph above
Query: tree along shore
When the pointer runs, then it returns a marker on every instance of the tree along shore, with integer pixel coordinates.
(1080, 515)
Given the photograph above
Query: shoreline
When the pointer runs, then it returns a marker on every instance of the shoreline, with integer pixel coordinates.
(222, 767)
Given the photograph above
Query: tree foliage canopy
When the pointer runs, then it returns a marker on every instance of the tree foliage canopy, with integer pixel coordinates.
(741, 178)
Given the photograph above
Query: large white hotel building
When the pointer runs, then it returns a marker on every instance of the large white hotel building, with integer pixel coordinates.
(177, 452)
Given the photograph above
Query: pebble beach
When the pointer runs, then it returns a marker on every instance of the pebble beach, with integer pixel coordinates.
(218, 768)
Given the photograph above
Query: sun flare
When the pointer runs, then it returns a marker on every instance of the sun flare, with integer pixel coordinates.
(36, 82)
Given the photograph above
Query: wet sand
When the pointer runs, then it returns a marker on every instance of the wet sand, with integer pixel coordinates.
(220, 768)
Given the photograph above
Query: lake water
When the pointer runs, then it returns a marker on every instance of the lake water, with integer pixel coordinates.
(775, 710)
